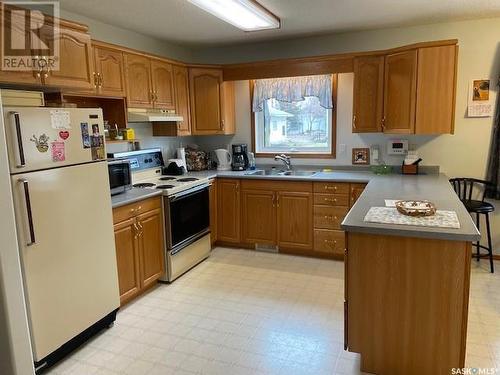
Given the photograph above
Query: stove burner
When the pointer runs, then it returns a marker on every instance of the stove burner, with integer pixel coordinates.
(165, 186)
(187, 179)
(143, 185)
(167, 178)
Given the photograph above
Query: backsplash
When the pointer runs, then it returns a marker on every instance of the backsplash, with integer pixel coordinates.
(144, 133)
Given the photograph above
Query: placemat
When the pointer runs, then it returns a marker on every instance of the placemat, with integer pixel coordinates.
(389, 215)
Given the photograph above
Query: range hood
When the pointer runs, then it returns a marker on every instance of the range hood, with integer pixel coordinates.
(152, 115)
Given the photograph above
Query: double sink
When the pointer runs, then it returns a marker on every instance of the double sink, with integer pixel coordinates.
(280, 172)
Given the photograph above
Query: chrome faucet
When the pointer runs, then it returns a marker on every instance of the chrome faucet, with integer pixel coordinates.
(285, 159)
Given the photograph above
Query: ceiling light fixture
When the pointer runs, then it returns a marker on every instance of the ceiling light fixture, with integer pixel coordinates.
(247, 15)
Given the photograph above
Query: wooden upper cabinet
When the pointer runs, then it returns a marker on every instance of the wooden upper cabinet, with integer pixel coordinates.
(228, 210)
(75, 61)
(368, 94)
(181, 86)
(228, 108)
(258, 217)
(295, 220)
(163, 84)
(109, 74)
(436, 85)
(205, 86)
(138, 81)
(400, 92)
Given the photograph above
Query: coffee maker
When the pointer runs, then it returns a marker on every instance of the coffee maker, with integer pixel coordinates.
(240, 157)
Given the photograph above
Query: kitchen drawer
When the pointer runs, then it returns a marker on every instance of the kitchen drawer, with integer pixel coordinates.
(331, 199)
(329, 217)
(331, 187)
(329, 241)
(131, 210)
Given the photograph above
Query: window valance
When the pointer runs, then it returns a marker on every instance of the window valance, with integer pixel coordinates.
(293, 89)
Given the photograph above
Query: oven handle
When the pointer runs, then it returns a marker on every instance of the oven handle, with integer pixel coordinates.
(189, 192)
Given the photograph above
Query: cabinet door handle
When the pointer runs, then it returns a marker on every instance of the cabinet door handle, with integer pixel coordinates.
(29, 213)
(354, 121)
(136, 229)
(95, 79)
(383, 124)
(274, 197)
(222, 125)
(100, 79)
(19, 140)
(141, 228)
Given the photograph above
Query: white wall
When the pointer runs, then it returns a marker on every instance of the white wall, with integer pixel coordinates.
(131, 39)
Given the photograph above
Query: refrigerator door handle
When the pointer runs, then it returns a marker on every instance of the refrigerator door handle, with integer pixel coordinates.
(28, 212)
(22, 161)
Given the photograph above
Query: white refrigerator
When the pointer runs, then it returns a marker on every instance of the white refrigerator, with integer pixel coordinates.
(62, 203)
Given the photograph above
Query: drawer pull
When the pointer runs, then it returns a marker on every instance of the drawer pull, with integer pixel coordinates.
(331, 200)
(132, 210)
(334, 242)
(330, 187)
(329, 217)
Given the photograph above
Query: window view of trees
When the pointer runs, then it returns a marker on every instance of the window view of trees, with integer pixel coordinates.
(297, 125)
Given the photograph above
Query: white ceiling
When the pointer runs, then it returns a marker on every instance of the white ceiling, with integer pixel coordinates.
(181, 22)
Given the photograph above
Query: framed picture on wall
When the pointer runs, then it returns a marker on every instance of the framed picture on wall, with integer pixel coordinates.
(360, 156)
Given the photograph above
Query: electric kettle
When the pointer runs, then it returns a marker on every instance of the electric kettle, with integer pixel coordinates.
(223, 159)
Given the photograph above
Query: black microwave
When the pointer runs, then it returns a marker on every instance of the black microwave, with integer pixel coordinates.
(120, 178)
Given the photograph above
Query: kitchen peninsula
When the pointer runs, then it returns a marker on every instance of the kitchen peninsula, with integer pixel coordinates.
(407, 287)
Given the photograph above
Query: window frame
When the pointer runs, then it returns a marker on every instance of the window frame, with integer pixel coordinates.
(308, 155)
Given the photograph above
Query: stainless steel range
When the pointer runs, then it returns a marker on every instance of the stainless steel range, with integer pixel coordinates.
(186, 210)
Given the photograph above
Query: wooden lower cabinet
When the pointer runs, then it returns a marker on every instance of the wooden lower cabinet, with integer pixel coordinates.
(258, 219)
(329, 242)
(295, 220)
(212, 191)
(139, 246)
(127, 259)
(297, 217)
(151, 246)
(404, 314)
(228, 210)
(356, 190)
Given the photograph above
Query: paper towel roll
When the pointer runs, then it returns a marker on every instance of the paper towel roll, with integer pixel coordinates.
(181, 154)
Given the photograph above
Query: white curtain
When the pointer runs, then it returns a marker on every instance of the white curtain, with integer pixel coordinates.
(293, 89)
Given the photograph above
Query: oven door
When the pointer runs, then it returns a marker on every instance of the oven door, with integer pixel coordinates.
(187, 217)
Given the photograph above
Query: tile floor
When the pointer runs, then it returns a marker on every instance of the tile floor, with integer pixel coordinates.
(244, 312)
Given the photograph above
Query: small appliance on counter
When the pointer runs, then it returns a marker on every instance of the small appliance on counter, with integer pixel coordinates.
(410, 164)
(120, 178)
(175, 167)
(223, 159)
(240, 157)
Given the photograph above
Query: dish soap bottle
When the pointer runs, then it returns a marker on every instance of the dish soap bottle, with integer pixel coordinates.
(251, 161)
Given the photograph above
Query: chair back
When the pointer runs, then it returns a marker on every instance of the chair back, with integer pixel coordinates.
(470, 188)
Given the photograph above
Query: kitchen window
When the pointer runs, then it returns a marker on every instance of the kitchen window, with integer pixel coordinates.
(295, 115)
